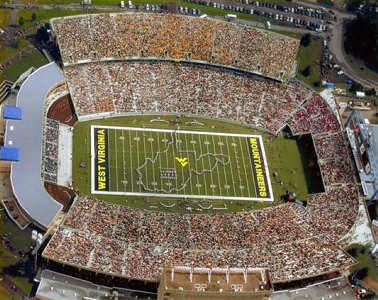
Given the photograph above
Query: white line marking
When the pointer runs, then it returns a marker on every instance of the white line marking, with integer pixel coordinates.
(220, 188)
(158, 142)
(178, 131)
(124, 161)
(92, 161)
(131, 161)
(231, 167)
(187, 147)
(116, 157)
(245, 170)
(184, 196)
(224, 168)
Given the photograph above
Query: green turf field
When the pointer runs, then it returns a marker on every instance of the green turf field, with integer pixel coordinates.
(144, 156)
(175, 163)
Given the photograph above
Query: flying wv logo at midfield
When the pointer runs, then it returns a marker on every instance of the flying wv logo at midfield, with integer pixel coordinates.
(182, 160)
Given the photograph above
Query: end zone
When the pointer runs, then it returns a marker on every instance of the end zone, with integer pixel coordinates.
(259, 167)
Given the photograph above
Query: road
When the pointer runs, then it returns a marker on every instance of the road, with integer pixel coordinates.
(14, 290)
(336, 46)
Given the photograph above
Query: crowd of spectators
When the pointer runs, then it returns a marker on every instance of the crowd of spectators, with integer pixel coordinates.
(314, 117)
(331, 146)
(136, 243)
(334, 157)
(180, 88)
(50, 151)
(333, 213)
(337, 171)
(177, 37)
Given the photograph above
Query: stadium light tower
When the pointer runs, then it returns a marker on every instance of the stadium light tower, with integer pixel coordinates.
(37, 238)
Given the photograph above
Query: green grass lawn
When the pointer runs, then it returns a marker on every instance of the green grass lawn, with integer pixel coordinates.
(22, 241)
(282, 155)
(20, 238)
(4, 16)
(42, 15)
(5, 295)
(294, 35)
(310, 55)
(7, 52)
(34, 59)
(364, 260)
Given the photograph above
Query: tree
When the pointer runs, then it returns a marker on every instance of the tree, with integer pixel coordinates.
(355, 87)
(361, 274)
(21, 21)
(34, 17)
(306, 71)
(306, 40)
(370, 92)
(362, 35)
(14, 44)
(42, 35)
(353, 5)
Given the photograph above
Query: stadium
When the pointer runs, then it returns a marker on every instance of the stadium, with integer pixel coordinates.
(178, 138)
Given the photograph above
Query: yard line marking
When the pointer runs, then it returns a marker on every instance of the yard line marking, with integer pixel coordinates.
(123, 159)
(137, 143)
(174, 159)
(244, 164)
(158, 142)
(152, 155)
(194, 151)
(116, 157)
(219, 181)
(147, 179)
(224, 167)
(179, 150)
(231, 167)
(131, 161)
(187, 147)
(206, 142)
(204, 177)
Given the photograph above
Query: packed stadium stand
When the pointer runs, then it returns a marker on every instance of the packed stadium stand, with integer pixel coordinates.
(165, 36)
(134, 243)
(143, 87)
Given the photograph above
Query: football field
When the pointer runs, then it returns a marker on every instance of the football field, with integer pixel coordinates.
(184, 164)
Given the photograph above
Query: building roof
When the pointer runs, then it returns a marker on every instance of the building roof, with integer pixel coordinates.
(9, 153)
(337, 288)
(27, 134)
(57, 286)
(12, 112)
